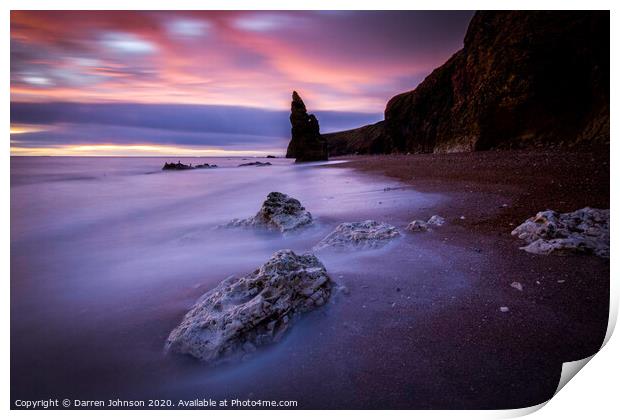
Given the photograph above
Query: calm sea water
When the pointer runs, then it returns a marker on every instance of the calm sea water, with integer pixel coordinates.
(107, 254)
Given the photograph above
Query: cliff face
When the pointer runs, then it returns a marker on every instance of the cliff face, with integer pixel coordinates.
(522, 79)
(365, 140)
(306, 143)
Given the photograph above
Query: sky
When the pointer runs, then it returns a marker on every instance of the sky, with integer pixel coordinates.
(204, 83)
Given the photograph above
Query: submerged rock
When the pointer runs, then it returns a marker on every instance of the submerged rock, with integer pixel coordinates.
(369, 234)
(181, 166)
(176, 166)
(241, 314)
(306, 143)
(280, 212)
(582, 231)
(205, 166)
(257, 163)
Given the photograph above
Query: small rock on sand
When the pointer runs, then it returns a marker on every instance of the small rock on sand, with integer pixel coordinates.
(417, 226)
(436, 221)
(503, 309)
(583, 231)
(422, 226)
(517, 285)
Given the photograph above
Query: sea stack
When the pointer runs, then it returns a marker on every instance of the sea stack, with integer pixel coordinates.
(306, 144)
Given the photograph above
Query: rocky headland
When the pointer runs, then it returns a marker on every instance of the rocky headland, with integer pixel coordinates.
(523, 79)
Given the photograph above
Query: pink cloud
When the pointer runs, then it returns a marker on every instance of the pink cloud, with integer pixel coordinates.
(352, 61)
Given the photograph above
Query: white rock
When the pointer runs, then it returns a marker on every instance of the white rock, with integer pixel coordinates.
(517, 285)
(359, 235)
(241, 314)
(584, 231)
(278, 212)
(436, 221)
(503, 309)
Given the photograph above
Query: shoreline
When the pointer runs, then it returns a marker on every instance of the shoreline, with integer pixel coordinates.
(528, 181)
(420, 326)
(562, 312)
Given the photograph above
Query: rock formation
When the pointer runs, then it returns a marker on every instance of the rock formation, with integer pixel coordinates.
(582, 231)
(242, 314)
(181, 166)
(366, 140)
(422, 226)
(278, 212)
(369, 234)
(522, 79)
(257, 163)
(306, 144)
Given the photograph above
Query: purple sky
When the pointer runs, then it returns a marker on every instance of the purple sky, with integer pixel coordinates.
(210, 82)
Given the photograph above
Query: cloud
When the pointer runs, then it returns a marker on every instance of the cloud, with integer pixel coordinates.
(341, 60)
(219, 78)
(226, 127)
(127, 43)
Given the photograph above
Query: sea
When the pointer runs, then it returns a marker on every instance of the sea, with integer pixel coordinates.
(108, 254)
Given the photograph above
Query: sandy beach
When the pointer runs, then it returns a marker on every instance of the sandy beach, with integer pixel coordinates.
(561, 314)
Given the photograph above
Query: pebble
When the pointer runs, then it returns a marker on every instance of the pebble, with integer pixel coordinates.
(517, 285)
(503, 309)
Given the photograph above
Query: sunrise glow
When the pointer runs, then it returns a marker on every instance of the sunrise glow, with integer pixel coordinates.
(342, 62)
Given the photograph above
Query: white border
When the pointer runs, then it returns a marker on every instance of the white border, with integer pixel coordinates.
(593, 394)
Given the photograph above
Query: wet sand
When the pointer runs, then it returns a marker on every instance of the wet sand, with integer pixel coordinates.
(481, 357)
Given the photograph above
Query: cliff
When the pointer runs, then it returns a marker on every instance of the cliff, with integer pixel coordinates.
(523, 79)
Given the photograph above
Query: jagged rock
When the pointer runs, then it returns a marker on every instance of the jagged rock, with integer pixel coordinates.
(176, 166)
(241, 314)
(181, 166)
(417, 226)
(257, 163)
(436, 221)
(306, 143)
(369, 234)
(522, 79)
(584, 231)
(422, 226)
(279, 212)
